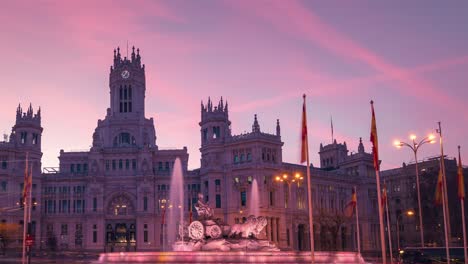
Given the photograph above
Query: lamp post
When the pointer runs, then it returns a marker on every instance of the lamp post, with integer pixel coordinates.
(399, 217)
(286, 178)
(163, 206)
(414, 146)
(297, 179)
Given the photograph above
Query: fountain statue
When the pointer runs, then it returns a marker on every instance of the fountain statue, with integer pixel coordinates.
(210, 234)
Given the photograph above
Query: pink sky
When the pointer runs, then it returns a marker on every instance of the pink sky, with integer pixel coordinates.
(261, 56)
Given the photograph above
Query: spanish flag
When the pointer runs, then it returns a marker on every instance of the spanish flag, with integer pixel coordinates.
(374, 140)
(461, 182)
(304, 145)
(349, 208)
(438, 193)
(27, 180)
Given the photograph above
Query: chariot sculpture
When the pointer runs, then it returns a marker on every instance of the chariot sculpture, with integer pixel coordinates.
(208, 233)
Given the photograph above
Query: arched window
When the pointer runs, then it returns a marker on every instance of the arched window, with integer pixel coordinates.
(120, 205)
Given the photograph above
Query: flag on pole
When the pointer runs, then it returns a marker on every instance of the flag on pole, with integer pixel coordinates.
(384, 195)
(27, 180)
(304, 147)
(438, 193)
(374, 140)
(331, 123)
(461, 182)
(349, 208)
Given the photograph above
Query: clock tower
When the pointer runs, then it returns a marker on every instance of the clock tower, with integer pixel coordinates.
(127, 85)
(125, 124)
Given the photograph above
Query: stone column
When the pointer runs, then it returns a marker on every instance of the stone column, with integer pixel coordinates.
(268, 228)
(277, 230)
(273, 228)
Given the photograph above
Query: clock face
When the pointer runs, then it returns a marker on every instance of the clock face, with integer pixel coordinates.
(125, 74)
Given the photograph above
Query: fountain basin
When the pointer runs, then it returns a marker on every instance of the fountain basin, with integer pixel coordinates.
(230, 257)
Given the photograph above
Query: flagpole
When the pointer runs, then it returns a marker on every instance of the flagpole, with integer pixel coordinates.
(388, 225)
(309, 189)
(461, 194)
(377, 179)
(357, 224)
(25, 212)
(444, 199)
(29, 211)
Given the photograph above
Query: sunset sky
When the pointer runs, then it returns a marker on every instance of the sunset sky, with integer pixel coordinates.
(410, 57)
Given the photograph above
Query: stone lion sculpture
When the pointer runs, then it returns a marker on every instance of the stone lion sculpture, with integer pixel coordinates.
(252, 226)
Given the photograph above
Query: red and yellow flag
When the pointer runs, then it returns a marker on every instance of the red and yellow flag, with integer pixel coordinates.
(304, 144)
(461, 182)
(374, 140)
(384, 196)
(349, 208)
(27, 180)
(438, 193)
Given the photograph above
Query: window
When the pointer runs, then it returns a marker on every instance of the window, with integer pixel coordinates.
(125, 96)
(94, 236)
(243, 196)
(134, 164)
(218, 185)
(242, 157)
(34, 138)
(4, 164)
(107, 165)
(160, 166)
(216, 131)
(64, 230)
(24, 135)
(85, 167)
(94, 204)
(78, 168)
(236, 159)
(145, 203)
(34, 203)
(145, 236)
(127, 164)
(120, 164)
(218, 201)
(271, 199)
(167, 165)
(249, 157)
(205, 134)
(3, 187)
(114, 164)
(72, 168)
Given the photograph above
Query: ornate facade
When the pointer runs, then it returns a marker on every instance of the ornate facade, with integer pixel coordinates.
(114, 196)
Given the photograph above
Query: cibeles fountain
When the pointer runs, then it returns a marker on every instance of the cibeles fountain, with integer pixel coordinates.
(209, 240)
(210, 234)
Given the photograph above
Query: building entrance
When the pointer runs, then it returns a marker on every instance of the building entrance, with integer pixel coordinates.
(120, 236)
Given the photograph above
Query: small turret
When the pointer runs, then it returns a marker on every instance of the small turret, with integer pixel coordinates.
(27, 130)
(361, 146)
(278, 129)
(215, 124)
(255, 126)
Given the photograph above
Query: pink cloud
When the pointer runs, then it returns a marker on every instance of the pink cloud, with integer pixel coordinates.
(293, 18)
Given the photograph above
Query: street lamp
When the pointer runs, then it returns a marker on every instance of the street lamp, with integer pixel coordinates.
(409, 213)
(297, 179)
(163, 206)
(414, 146)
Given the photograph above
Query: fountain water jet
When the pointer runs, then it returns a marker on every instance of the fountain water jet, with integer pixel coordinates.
(254, 205)
(176, 203)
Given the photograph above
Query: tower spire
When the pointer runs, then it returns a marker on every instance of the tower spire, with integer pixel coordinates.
(255, 126)
(331, 123)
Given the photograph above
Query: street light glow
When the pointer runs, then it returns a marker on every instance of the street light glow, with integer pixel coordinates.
(412, 137)
(410, 212)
